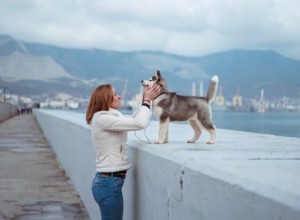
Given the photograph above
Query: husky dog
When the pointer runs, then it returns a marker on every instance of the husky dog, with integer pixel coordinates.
(169, 106)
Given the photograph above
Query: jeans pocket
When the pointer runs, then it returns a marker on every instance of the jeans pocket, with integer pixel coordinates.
(99, 181)
(100, 188)
(119, 182)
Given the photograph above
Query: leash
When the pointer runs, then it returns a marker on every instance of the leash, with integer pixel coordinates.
(144, 131)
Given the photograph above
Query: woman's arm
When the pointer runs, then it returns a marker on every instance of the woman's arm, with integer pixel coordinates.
(138, 121)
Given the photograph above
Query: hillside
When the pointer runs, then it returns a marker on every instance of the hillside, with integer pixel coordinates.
(252, 71)
(37, 69)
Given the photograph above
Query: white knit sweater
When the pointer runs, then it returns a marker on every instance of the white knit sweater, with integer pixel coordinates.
(109, 136)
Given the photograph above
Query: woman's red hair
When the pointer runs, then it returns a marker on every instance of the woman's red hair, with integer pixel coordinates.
(100, 100)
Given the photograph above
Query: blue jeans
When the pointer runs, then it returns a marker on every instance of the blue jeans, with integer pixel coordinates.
(107, 192)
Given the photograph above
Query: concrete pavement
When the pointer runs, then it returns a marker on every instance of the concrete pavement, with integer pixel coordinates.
(32, 184)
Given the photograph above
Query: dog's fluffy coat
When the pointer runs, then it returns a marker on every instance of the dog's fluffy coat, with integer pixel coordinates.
(169, 106)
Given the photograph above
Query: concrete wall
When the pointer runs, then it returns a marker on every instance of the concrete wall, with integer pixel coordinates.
(243, 176)
(7, 110)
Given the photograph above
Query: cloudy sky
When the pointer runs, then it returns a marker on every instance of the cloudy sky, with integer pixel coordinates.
(185, 27)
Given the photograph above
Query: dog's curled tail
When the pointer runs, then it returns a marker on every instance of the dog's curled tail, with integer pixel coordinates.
(211, 93)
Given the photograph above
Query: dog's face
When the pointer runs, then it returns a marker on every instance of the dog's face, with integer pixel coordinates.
(151, 81)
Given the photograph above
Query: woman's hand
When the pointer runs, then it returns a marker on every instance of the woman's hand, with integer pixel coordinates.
(151, 93)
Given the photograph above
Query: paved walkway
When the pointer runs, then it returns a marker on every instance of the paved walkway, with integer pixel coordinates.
(32, 185)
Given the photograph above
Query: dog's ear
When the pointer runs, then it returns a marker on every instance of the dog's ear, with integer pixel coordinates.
(158, 73)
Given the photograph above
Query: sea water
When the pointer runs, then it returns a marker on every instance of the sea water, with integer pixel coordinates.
(277, 123)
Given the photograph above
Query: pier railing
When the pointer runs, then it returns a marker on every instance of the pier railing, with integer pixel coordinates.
(7, 110)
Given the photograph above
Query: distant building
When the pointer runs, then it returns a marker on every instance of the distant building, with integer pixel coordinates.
(261, 103)
(220, 100)
(220, 103)
(237, 100)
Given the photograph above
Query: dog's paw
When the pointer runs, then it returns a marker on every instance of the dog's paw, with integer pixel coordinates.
(210, 142)
(190, 141)
(159, 142)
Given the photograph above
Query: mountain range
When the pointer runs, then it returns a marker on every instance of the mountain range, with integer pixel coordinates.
(40, 70)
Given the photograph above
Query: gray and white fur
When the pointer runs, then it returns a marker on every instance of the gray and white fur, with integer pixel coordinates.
(169, 106)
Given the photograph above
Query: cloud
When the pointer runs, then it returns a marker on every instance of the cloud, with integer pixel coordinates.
(186, 27)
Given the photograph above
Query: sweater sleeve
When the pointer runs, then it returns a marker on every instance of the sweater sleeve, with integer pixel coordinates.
(137, 121)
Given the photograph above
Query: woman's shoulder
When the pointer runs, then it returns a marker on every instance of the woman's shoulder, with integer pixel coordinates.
(101, 116)
(105, 117)
(101, 113)
(111, 111)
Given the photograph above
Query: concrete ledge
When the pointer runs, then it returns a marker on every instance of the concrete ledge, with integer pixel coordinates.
(243, 176)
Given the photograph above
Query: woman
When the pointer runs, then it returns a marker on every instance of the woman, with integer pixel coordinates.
(109, 136)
